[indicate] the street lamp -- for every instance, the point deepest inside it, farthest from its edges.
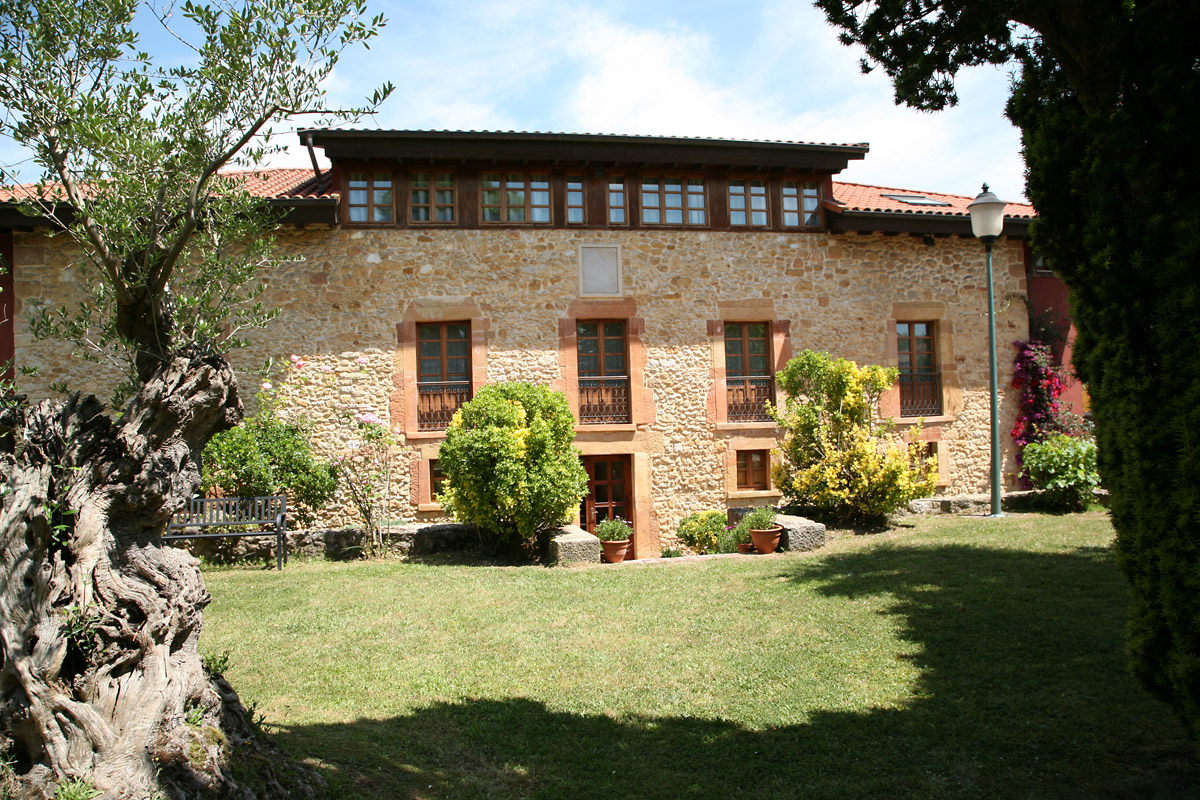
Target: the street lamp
(987, 222)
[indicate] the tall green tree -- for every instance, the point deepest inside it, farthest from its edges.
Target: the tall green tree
(100, 678)
(1107, 97)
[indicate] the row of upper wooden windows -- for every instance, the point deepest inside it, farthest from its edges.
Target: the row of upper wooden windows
(525, 198)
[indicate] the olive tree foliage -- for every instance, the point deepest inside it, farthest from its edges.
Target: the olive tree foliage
(100, 678)
(1107, 97)
(129, 154)
(511, 464)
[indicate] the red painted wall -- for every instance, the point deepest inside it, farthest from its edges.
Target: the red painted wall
(1048, 296)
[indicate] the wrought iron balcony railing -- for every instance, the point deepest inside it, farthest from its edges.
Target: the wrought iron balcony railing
(920, 394)
(604, 401)
(747, 399)
(437, 402)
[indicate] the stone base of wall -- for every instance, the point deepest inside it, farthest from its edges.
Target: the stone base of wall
(973, 503)
(336, 545)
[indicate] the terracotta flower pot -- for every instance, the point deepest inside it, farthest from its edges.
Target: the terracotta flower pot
(745, 548)
(614, 552)
(767, 541)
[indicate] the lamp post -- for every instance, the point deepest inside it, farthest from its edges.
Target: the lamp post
(987, 222)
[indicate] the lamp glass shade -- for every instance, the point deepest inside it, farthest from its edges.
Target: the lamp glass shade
(987, 214)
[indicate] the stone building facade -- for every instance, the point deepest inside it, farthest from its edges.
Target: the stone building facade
(657, 332)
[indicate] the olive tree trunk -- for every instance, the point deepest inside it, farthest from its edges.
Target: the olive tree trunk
(100, 676)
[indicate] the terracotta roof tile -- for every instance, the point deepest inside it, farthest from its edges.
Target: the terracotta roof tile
(859, 197)
(278, 184)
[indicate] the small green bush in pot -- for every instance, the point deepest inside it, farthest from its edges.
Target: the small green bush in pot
(614, 530)
(760, 519)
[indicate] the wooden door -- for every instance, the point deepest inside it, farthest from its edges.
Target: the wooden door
(610, 490)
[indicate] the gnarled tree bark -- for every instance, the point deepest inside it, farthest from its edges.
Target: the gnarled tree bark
(100, 675)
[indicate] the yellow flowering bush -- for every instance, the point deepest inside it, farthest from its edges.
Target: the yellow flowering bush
(839, 457)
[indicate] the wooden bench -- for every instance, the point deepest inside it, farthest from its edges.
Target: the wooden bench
(230, 512)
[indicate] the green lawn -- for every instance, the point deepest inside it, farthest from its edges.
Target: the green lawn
(952, 657)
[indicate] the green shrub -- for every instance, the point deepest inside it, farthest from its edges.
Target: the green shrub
(268, 456)
(614, 529)
(671, 552)
(1063, 469)
(510, 464)
(760, 519)
(839, 458)
(701, 530)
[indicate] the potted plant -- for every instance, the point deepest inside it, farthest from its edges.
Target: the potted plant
(614, 535)
(763, 531)
(741, 537)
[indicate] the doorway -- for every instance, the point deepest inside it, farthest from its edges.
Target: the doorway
(610, 490)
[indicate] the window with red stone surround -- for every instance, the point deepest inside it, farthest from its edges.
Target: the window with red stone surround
(441, 361)
(753, 470)
(741, 384)
(576, 366)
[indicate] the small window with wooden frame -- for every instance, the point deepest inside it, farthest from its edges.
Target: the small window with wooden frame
(749, 382)
(618, 201)
(370, 199)
(576, 210)
(801, 204)
(753, 470)
(515, 198)
(443, 372)
(431, 198)
(748, 202)
(674, 201)
(602, 353)
(920, 378)
(437, 480)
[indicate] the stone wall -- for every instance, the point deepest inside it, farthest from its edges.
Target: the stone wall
(343, 305)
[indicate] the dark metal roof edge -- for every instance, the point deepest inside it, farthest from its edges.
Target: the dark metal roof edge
(909, 222)
(580, 138)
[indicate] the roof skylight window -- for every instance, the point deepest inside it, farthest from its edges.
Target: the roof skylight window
(915, 199)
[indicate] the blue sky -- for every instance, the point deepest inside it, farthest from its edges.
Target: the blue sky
(758, 69)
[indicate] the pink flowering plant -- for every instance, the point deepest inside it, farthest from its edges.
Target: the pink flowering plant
(365, 469)
(1041, 384)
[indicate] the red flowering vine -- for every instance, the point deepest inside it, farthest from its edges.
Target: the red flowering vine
(1041, 384)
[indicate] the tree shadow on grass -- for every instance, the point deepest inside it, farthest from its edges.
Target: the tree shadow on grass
(1022, 692)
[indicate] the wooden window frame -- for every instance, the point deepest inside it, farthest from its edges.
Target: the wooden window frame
(748, 196)
(802, 185)
(372, 176)
(432, 206)
(527, 206)
(603, 377)
(437, 479)
(609, 207)
(445, 378)
(911, 404)
(747, 382)
(569, 194)
(747, 473)
(685, 206)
